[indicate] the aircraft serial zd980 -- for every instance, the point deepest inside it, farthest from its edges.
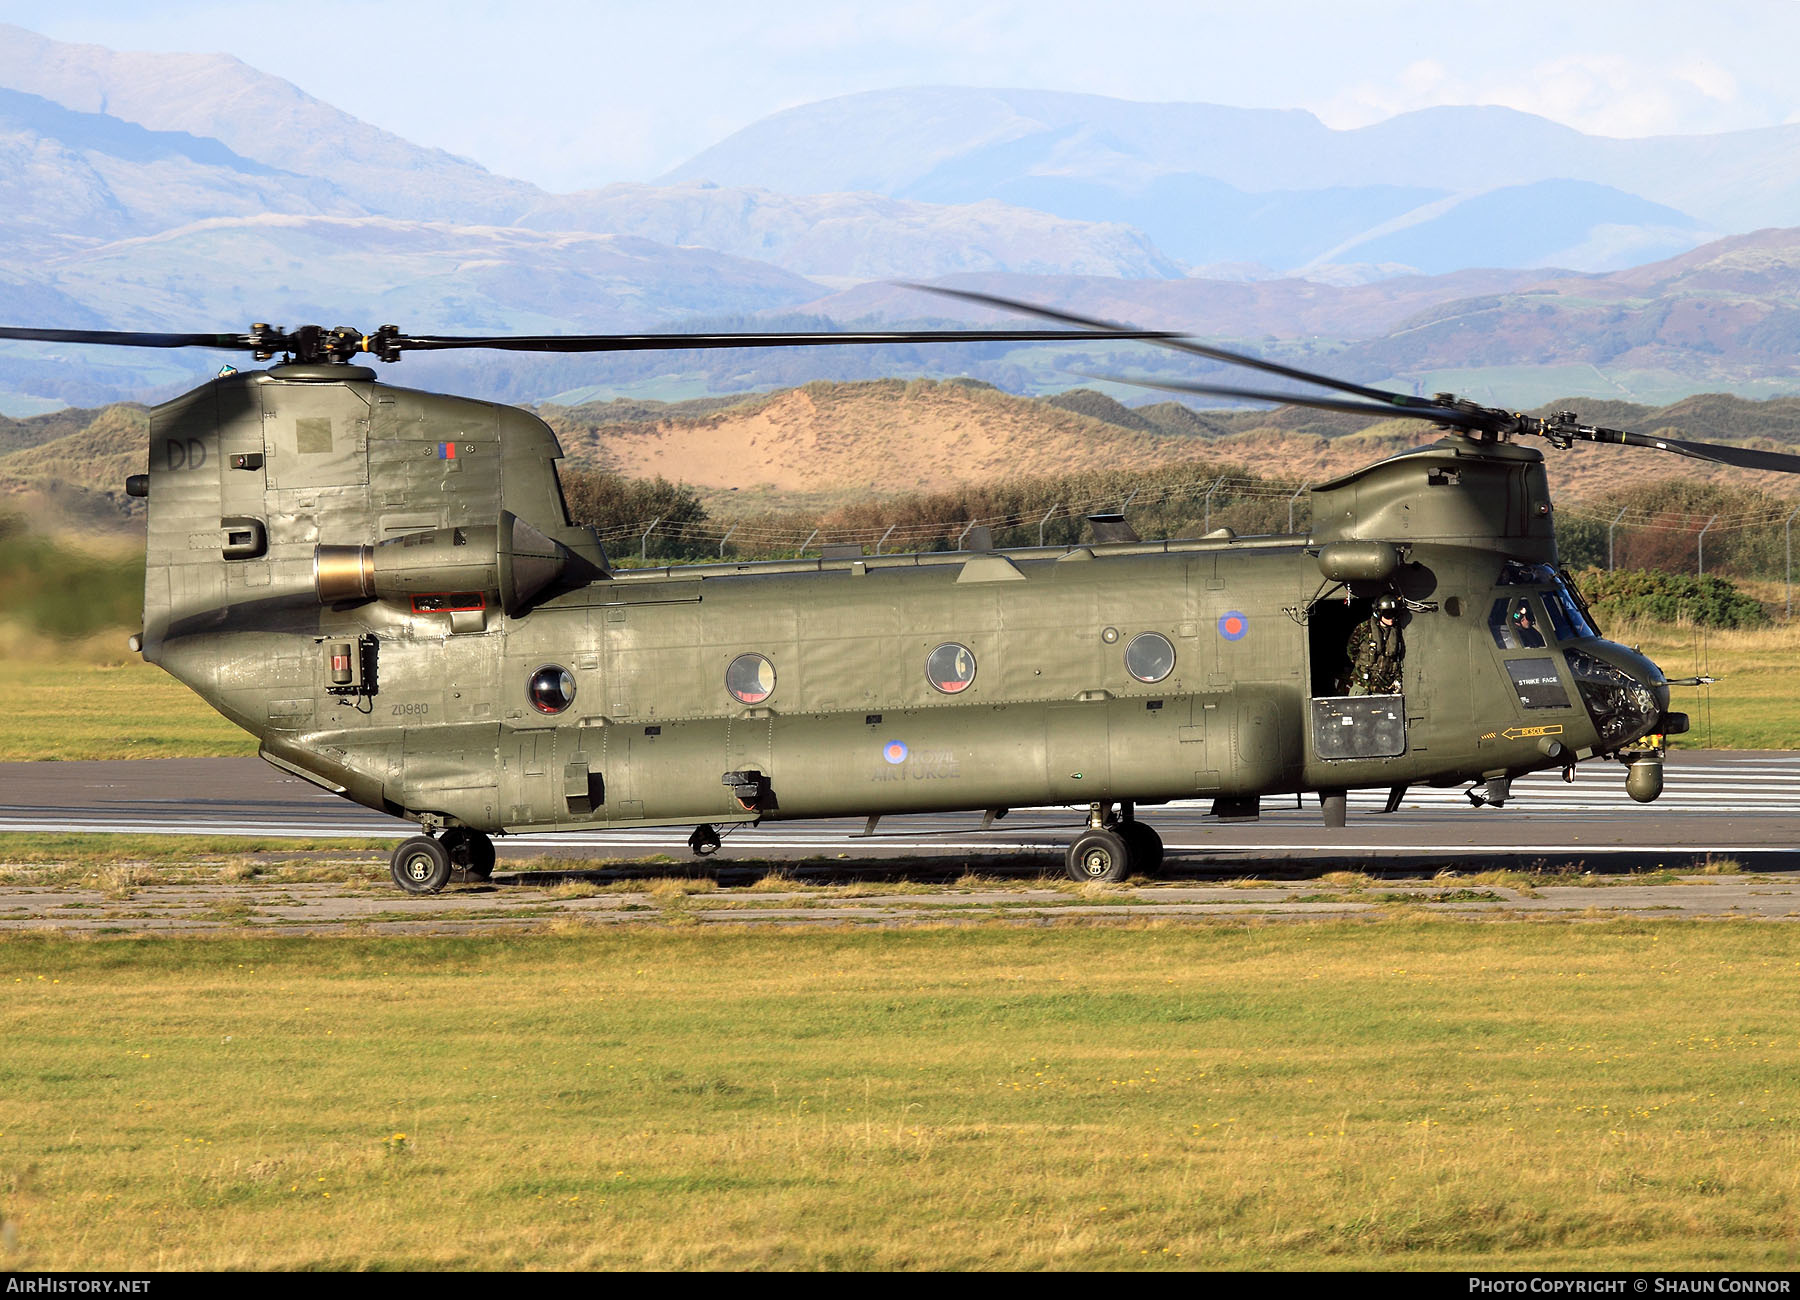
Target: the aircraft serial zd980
(383, 586)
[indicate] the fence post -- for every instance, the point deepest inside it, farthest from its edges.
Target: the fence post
(1046, 519)
(1207, 526)
(1291, 500)
(808, 542)
(728, 532)
(885, 536)
(964, 533)
(644, 542)
(1700, 550)
(1609, 538)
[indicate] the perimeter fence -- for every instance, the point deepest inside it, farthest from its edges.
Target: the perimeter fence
(1247, 505)
(1717, 532)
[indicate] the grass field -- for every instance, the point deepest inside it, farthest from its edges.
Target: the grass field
(1754, 705)
(1397, 1095)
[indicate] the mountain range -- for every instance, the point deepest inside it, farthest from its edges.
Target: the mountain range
(1213, 184)
(1480, 248)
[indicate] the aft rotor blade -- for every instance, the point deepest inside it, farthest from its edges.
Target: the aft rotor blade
(127, 338)
(309, 342)
(1436, 414)
(818, 338)
(1181, 343)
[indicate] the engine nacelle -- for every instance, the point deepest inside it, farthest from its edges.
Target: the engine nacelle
(510, 559)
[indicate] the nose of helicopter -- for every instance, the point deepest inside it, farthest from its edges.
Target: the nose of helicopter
(1625, 694)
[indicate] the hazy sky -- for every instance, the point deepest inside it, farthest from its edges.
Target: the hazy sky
(574, 94)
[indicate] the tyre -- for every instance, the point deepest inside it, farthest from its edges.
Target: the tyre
(1144, 846)
(469, 851)
(421, 866)
(1099, 855)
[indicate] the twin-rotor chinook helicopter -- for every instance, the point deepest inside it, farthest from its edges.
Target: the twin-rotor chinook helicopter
(383, 586)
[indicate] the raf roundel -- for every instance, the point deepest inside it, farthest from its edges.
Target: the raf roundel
(895, 752)
(1233, 625)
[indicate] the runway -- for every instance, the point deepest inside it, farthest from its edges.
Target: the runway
(1737, 803)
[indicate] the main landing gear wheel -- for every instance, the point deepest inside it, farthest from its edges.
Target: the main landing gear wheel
(1099, 855)
(469, 851)
(1143, 845)
(704, 841)
(421, 865)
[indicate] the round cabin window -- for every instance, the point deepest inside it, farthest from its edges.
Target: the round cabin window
(950, 668)
(552, 689)
(750, 679)
(1149, 657)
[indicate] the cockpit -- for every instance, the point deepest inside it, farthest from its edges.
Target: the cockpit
(1517, 619)
(1535, 608)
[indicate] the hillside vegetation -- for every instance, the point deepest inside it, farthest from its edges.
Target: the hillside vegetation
(54, 591)
(883, 437)
(836, 444)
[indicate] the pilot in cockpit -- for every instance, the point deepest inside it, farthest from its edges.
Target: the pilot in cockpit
(1521, 629)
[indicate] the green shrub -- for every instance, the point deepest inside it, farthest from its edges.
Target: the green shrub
(1642, 594)
(601, 499)
(65, 592)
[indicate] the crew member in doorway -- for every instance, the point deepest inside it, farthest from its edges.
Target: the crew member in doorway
(1376, 649)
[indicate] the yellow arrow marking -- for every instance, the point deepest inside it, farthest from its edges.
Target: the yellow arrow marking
(1526, 733)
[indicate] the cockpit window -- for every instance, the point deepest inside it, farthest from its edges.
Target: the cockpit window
(1559, 616)
(1515, 623)
(1566, 615)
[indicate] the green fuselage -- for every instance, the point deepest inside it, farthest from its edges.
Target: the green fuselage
(1044, 707)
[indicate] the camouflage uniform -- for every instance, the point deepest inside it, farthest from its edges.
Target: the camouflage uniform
(1376, 649)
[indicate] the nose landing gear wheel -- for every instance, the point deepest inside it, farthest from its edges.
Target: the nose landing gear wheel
(1099, 855)
(421, 865)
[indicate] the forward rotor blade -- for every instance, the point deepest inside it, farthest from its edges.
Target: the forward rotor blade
(1780, 462)
(1436, 414)
(128, 338)
(1181, 343)
(676, 342)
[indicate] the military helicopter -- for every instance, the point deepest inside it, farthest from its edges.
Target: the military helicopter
(383, 586)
